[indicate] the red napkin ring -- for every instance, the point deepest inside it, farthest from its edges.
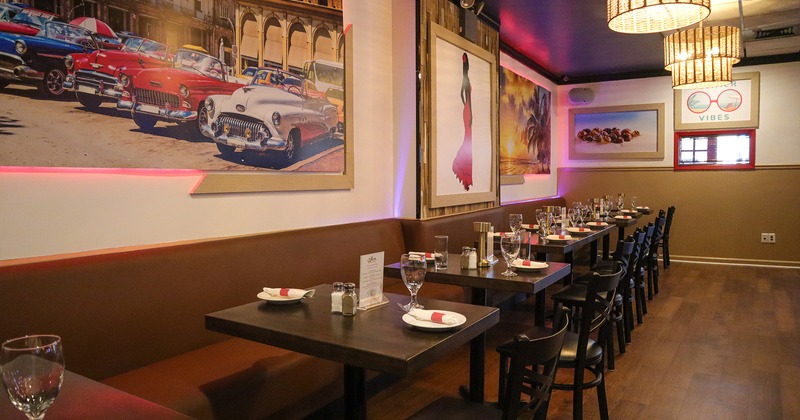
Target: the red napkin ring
(561, 236)
(526, 263)
(284, 291)
(437, 317)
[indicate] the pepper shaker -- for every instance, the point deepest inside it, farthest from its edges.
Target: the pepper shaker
(349, 300)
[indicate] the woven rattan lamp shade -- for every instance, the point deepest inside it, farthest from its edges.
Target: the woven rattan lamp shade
(648, 16)
(702, 57)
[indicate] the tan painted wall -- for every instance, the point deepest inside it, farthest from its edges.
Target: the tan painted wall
(719, 214)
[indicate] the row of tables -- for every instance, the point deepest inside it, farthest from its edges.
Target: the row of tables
(379, 340)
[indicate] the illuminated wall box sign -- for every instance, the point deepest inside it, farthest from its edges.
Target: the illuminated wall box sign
(730, 106)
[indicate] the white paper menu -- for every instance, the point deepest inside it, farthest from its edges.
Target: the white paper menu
(370, 290)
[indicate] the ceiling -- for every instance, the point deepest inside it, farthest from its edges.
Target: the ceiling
(569, 41)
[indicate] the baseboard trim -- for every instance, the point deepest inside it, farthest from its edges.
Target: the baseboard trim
(735, 261)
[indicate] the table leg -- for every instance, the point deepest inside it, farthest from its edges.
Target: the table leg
(621, 236)
(539, 311)
(568, 260)
(355, 395)
(606, 246)
(593, 253)
(477, 354)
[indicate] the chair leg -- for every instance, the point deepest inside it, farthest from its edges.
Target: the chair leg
(649, 279)
(641, 293)
(601, 392)
(655, 276)
(577, 395)
(665, 245)
(501, 383)
(639, 296)
(610, 346)
(627, 302)
(621, 333)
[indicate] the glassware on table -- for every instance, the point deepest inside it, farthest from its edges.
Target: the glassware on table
(412, 269)
(32, 368)
(509, 244)
(633, 202)
(515, 221)
(620, 201)
(607, 210)
(440, 251)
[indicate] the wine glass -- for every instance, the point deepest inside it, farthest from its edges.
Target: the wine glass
(515, 220)
(33, 370)
(509, 244)
(620, 201)
(607, 210)
(633, 202)
(412, 269)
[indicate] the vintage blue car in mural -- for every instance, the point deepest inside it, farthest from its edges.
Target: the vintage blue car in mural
(269, 118)
(39, 59)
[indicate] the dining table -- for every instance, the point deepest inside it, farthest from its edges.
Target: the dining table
(376, 339)
(84, 398)
(543, 248)
(478, 281)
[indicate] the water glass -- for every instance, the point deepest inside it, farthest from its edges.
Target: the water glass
(32, 368)
(633, 202)
(412, 270)
(509, 244)
(515, 221)
(440, 251)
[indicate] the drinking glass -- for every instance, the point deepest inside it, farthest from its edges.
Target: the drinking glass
(633, 202)
(412, 269)
(33, 370)
(515, 220)
(574, 217)
(440, 251)
(620, 201)
(607, 210)
(509, 244)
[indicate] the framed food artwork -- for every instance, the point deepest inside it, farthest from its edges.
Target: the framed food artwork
(617, 132)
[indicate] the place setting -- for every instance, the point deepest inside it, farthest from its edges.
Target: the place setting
(412, 270)
(284, 295)
(528, 265)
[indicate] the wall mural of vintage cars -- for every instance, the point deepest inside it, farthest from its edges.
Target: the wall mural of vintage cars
(73, 98)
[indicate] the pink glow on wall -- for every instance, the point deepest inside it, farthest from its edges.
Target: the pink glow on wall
(111, 171)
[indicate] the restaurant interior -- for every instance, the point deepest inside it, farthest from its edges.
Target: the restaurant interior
(149, 283)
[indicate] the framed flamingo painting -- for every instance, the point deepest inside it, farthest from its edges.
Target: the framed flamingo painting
(463, 160)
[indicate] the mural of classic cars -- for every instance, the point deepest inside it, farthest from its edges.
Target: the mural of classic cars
(28, 22)
(263, 118)
(94, 76)
(8, 11)
(175, 94)
(39, 60)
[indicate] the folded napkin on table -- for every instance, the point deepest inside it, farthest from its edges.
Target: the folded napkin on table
(528, 263)
(427, 255)
(526, 226)
(290, 293)
(582, 230)
(433, 316)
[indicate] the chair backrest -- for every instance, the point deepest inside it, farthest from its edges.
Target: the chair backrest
(668, 223)
(622, 254)
(644, 249)
(657, 232)
(633, 261)
(596, 309)
(526, 376)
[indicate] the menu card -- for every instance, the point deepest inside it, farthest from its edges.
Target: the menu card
(370, 290)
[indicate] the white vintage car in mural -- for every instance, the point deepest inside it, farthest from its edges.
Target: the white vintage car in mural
(264, 118)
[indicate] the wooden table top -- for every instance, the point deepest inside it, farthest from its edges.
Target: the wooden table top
(83, 398)
(563, 247)
(376, 339)
(489, 277)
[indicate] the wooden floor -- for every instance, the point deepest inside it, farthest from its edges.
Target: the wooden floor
(719, 342)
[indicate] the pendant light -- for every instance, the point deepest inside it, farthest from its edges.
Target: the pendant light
(649, 16)
(702, 57)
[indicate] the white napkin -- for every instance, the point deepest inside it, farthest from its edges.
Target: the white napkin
(433, 316)
(289, 293)
(426, 255)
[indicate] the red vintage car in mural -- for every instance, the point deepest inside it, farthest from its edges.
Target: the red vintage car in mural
(176, 94)
(28, 22)
(95, 76)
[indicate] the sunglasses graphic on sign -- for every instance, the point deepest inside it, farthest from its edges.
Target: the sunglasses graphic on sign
(728, 100)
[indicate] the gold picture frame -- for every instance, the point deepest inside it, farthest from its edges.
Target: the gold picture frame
(232, 182)
(644, 124)
(736, 105)
(455, 123)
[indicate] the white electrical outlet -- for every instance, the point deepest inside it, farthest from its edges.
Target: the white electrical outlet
(767, 238)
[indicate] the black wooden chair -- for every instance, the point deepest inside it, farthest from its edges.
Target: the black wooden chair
(580, 352)
(628, 281)
(527, 367)
(665, 235)
(641, 267)
(652, 256)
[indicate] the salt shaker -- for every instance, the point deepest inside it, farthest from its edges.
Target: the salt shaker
(336, 297)
(349, 300)
(473, 259)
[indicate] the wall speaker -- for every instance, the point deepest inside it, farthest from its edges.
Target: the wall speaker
(581, 95)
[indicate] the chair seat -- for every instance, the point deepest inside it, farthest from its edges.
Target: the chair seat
(569, 351)
(456, 408)
(575, 292)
